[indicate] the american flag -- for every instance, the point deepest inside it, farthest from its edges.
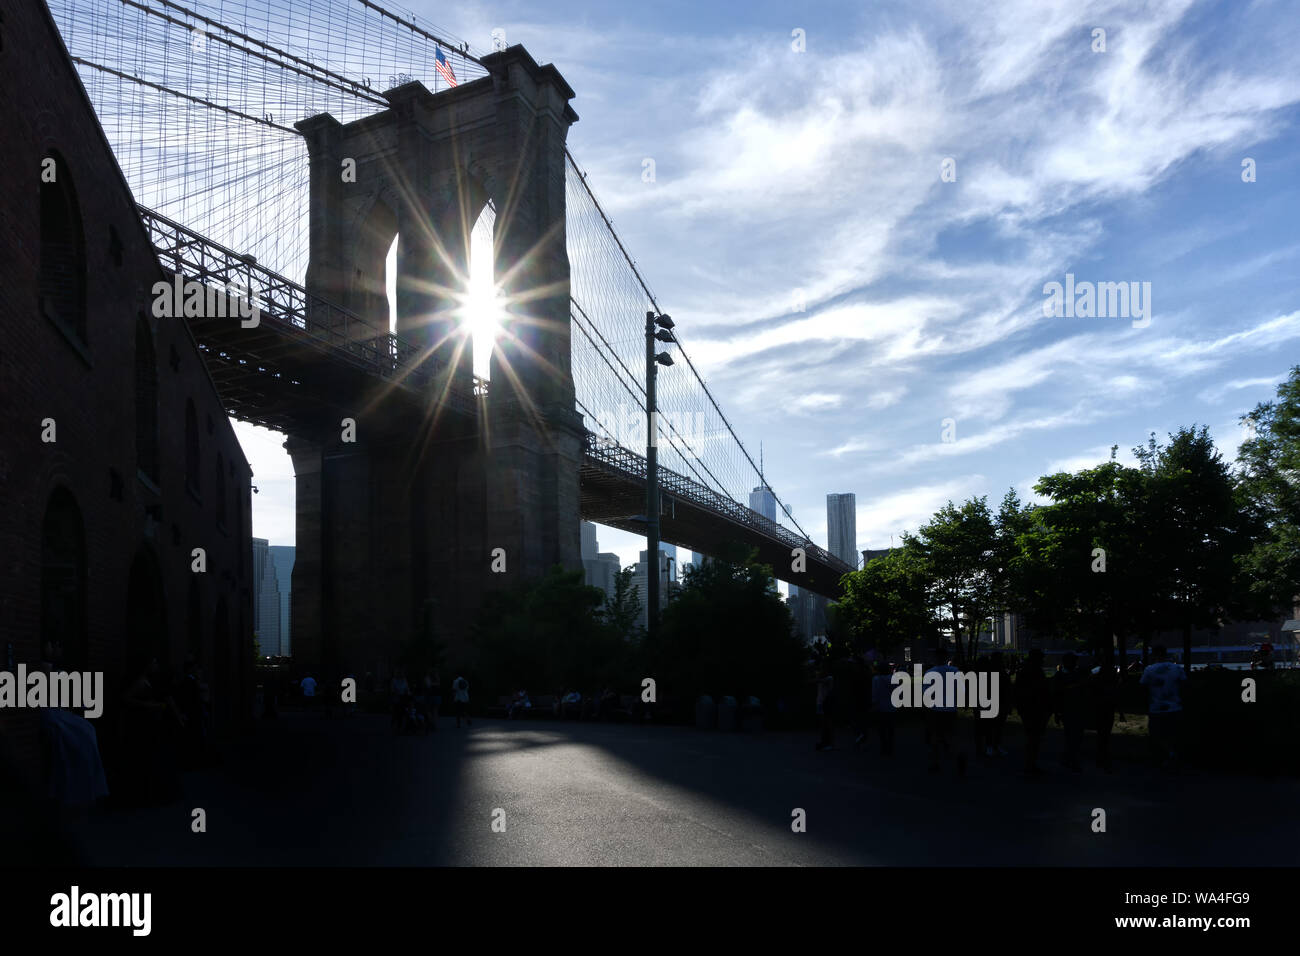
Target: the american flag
(443, 67)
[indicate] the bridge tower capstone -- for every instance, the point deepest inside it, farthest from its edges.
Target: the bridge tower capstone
(399, 527)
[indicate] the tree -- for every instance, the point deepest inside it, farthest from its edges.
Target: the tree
(1268, 483)
(958, 546)
(1196, 530)
(549, 634)
(622, 609)
(885, 604)
(1081, 565)
(726, 632)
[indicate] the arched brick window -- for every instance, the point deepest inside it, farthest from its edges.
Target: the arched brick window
(61, 281)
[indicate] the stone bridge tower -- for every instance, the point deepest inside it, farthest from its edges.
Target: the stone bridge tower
(399, 527)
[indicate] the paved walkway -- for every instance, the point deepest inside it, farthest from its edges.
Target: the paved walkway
(305, 790)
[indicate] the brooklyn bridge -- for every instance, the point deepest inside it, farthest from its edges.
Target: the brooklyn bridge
(299, 156)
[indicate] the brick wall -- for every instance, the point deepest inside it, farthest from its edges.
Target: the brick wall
(89, 389)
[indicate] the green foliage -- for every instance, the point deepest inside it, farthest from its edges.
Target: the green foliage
(961, 551)
(622, 609)
(1269, 489)
(550, 635)
(885, 604)
(726, 632)
(1082, 565)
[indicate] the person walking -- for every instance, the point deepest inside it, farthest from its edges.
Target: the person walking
(942, 717)
(1162, 679)
(1034, 703)
(1104, 687)
(999, 677)
(460, 694)
(882, 707)
(825, 705)
(1070, 701)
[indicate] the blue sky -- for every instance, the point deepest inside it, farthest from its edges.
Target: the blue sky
(816, 174)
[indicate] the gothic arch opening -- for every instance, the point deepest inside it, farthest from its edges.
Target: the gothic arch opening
(482, 311)
(62, 270)
(372, 262)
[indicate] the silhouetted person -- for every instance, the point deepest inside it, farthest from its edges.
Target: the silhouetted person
(151, 722)
(194, 700)
(608, 704)
(1104, 686)
(432, 698)
(997, 671)
(518, 703)
(571, 705)
(941, 718)
(460, 693)
(1070, 701)
(308, 688)
(882, 707)
(825, 705)
(1034, 703)
(1162, 679)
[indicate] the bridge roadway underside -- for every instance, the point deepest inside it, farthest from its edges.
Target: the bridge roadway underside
(617, 499)
(279, 376)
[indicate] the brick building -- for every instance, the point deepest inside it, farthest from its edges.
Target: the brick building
(99, 524)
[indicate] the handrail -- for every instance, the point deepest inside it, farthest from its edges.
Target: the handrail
(285, 302)
(631, 464)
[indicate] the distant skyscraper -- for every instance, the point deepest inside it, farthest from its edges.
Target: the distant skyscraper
(667, 580)
(266, 599)
(809, 613)
(260, 554)
(601, 567)
(763, 501)
(590, 547)
(870, 554)
(282, 556)
(842, 527)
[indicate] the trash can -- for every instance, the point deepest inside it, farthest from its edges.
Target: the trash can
(751, 715)
(706, 712)
(727, 714)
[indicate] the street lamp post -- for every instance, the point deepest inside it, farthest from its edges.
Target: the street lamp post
(652, 363)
